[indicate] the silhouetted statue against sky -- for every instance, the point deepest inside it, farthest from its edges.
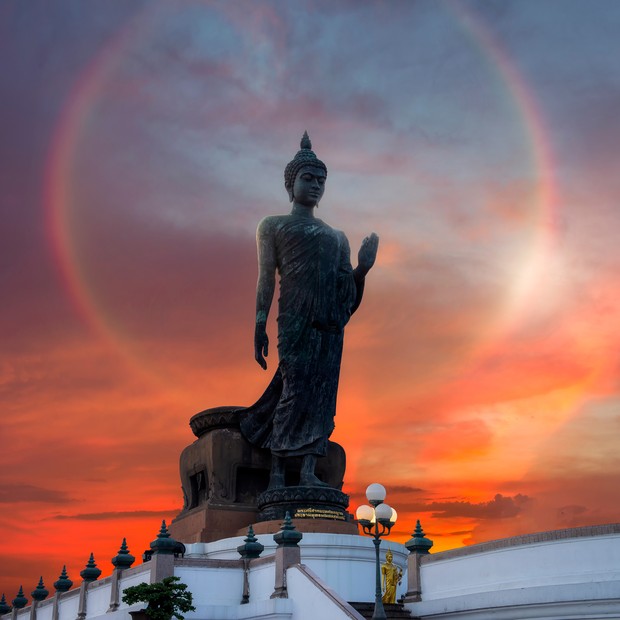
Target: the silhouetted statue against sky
(319, 291)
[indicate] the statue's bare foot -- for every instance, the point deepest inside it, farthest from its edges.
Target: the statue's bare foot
(310, 480)
(276, 481)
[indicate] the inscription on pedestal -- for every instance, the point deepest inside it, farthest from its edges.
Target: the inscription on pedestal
(303, 503)
(317, 513)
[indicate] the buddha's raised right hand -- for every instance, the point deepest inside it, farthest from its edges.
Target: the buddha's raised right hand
(368, 253)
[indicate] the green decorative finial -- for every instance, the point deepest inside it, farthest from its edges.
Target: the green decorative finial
(123, 559)
(4, 606)
(418, 532)
(288, 536)
(164, 543)
(64, 583)
(288, 522)
(20, 601)
(252, 548)
(305, 141)
(418, 543)
(90, 572)
(40, 592)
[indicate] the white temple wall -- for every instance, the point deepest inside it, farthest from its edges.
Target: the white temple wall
(68, 604)
(553, 575)
(134, 577)
(347, 563)
(212, 585)
(262, 581)
(274, 609)
(98, 597)
(549, 576)
(314, 600)
(226, 548)
(558, 562)
(45, 609)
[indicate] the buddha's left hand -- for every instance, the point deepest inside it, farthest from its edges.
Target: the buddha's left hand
(368, 252)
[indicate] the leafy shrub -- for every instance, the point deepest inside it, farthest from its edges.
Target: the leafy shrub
(165, 598)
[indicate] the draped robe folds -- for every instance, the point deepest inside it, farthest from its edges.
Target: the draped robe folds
(295, 415)
(391, 577)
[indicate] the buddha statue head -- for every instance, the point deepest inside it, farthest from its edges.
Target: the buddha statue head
(304, 159)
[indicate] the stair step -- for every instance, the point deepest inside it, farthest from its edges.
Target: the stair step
(392, 610)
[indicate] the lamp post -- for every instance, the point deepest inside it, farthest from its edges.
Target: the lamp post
(376, 521)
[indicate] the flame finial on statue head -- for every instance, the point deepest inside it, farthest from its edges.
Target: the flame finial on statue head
(305, 141)
(304, 157)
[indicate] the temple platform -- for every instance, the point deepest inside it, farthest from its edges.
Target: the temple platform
(564, 574)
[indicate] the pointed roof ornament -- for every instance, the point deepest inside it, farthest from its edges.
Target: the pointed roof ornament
(164, 543)
(64, 583)
(305, 141)
(252, 548)
(20, 601)
(418, 543)
(288, 522)
(123, 559)
(4, 606)
(90, 572)
(40, 592)
(288, 536)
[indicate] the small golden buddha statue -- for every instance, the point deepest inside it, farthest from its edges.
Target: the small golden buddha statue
(391, 576)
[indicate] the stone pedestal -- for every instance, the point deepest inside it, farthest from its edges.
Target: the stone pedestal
(303, 503)
(223, 475)
(212, 522)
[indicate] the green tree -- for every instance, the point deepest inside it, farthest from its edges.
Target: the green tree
(165, 598)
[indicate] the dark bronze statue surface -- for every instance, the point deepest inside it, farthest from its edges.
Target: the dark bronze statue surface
(319, 291)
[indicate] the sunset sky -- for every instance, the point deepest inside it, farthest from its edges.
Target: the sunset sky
(140, 144)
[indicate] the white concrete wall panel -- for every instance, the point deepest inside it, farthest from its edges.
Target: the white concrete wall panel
(212, 586)
(226, 548)
(68, 605)
(557, 562)
(23, 614)
(45, 609)
(347, 563)
(312, 602)
(262, 581)
(134, 579)
(98, 598)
